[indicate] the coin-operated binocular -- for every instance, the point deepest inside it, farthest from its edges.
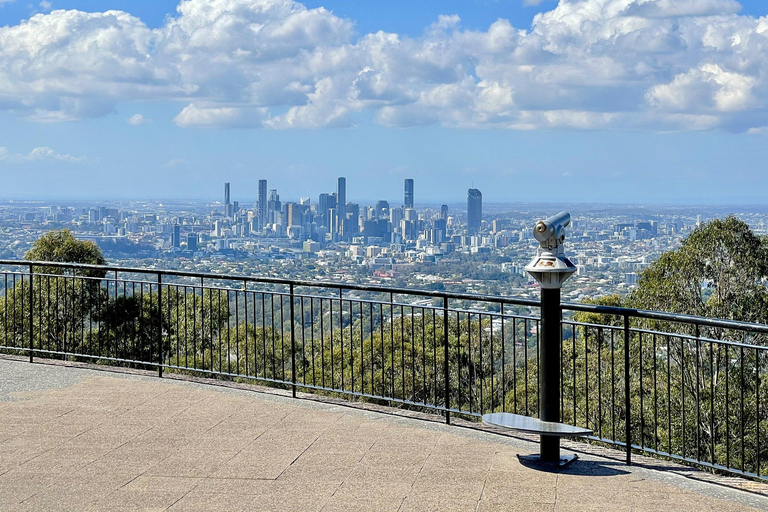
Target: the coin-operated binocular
(551, 267)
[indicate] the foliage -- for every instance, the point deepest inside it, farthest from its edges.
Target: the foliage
(719, 271)
(62, 246)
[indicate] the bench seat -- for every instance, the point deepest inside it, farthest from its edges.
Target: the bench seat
(534, 425)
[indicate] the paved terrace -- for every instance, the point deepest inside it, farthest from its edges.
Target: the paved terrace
(84, 439)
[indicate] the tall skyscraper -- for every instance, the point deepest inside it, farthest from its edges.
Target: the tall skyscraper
(192, 242)
(324, 204)
(262, 203)
(341, 199)
(273, 206)
(226, 194)
(176, 236)
(474, 210)
(408, 198)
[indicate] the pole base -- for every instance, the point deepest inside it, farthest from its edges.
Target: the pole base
(535, 461)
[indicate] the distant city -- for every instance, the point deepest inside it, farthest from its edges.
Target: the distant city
(480, 248)
(333, 219)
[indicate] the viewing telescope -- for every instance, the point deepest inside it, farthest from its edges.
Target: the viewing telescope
(551, 267)
(550, 232)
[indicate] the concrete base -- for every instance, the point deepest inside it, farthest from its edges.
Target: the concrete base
(535, 462)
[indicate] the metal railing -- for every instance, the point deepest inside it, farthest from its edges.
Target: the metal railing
(684, 387)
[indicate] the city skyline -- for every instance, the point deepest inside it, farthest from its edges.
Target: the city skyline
(647, 102)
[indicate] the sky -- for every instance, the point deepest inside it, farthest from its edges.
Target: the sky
(579, 101)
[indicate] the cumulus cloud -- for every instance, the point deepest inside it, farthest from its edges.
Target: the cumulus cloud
(583, 64)
(38, 154)
(136, 120)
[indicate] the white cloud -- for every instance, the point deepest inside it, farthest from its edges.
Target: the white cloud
(584, 64)
(203, 114)
(45, 5)
(40, 154)
(136, 120)
(175, 163)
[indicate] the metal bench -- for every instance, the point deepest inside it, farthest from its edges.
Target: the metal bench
(548, 429)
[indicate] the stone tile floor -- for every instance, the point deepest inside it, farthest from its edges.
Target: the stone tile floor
(87, 440)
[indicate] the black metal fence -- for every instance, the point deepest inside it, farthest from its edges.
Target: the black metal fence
(688, 388)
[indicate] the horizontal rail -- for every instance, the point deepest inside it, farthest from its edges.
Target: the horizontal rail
(568, 306)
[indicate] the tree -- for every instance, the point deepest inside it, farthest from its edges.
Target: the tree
(62, 298)
(695, 391)
(62, 246)
(719, 271)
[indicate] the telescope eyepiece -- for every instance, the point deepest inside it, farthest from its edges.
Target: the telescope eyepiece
(551, 231)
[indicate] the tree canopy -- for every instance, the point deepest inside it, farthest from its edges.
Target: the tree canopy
(719, 271)
(62, 246)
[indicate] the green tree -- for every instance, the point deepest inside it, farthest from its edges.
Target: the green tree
(62, 246)
(692, 394)
(62, 298)
(719, 271)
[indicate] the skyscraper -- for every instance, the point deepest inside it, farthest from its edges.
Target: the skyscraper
(228, 210)
(341, 199)
(176, 236)
(192, 242)
(262, 203)
(324, 204)
(273, 206)
(408, 198)
(474, 210)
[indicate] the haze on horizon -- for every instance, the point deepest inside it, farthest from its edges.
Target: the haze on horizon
(580, 101)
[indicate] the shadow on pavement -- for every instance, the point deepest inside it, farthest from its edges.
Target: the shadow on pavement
(579, 467)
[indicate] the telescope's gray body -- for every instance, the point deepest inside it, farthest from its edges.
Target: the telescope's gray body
(551, 267)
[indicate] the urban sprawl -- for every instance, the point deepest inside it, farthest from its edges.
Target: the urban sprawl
(467, 247)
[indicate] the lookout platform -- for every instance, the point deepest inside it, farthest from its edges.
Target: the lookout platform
(85, 439)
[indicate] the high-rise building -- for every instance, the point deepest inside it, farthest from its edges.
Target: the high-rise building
(444, 211)
(262, 203)
(273, 207)
(176, 236)
(192, 242)
(408, 197)
(324, 205)
(382, 208)
(226, 194)
(474, 210)
(294, 214)
(341, 199)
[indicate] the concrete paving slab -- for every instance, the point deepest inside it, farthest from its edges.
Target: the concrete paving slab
(92, 440)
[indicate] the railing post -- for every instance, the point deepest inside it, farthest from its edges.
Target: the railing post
(159, 325)
(446, 370)
(31, 316)
(627, 402)
(293, 346)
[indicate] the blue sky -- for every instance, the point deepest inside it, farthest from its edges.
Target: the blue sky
(629, 101)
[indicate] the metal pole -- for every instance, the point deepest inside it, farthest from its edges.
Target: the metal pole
(549, 372)
(293, 346)
(445, 363)
(31, 316)
(160, 325)
(627, 401)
